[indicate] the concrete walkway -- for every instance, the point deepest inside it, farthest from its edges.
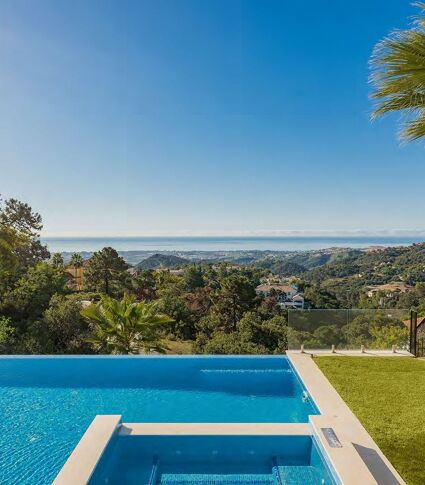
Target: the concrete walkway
(355, 353)
(344, 422)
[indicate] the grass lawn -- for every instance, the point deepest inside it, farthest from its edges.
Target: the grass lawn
(388, 396)
(179, 347)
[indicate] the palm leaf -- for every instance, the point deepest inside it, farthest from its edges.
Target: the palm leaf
(126, 326)
(398, 77)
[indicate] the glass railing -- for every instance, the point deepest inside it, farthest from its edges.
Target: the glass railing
(380, 329)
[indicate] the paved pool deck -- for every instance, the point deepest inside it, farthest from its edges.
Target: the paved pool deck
(343, 421)
(355, 353)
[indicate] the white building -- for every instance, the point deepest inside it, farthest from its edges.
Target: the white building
(288, 296)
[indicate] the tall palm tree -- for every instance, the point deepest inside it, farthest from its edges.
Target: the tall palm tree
(76, 263)
(76, 260)
(398, 76)
(126, 326)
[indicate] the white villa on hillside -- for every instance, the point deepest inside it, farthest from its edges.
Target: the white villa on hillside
(288, 296)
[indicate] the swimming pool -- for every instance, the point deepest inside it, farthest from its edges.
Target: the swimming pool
(190, 460)
(46, 403)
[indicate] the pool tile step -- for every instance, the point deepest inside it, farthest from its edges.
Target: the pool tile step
(300, 475)
(193, 479)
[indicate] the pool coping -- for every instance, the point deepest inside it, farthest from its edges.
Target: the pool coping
(82, 462)
(191, 429)
(333, 408)
(343, 458)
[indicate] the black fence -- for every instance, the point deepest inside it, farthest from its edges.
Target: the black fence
(417, 335)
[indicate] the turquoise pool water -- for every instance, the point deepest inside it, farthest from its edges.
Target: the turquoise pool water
(190, 460)
(47, 403)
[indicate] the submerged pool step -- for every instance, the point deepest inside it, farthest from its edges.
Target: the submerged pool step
(193, 479)
(299, 475)
(245, 371)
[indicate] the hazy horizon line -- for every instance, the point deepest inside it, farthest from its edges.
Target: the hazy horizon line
(247, 234)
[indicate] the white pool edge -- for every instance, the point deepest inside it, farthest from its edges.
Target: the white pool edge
(336, 414)
(82, 462)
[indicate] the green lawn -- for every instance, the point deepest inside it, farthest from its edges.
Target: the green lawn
(179, 347)
(388, 396)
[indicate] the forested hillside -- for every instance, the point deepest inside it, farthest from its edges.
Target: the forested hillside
(161, 261)
(348, 279)
(300, 262)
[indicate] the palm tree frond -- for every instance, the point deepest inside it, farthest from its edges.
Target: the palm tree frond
(398, 76)
(126, 326)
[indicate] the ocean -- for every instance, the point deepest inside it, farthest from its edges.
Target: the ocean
(227, 243)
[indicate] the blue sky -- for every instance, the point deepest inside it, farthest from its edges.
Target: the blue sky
(202, 117)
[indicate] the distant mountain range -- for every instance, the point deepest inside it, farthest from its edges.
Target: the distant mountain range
(282, 262)
(161, 261)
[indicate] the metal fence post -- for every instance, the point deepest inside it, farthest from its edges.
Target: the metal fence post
(413, 331)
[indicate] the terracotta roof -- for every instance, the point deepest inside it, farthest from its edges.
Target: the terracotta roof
(419, 322)
(284, 288)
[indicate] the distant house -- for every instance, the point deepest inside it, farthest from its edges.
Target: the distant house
(373, 249)
(274, 279)
(173, 271)
(288, 296)
(296, 303)
(389, 289)
(177, 272)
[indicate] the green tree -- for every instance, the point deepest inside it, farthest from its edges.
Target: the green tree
(193, 277)
(6, 333)
(76, 261)
(10, 242)
(227, 344)
(57, 261)
(387, 336)
(106, 272)
(207, 326)
(199, 302)
(143, 285)
(320, 298)
(19, 217)
(125, 326)
(324, 337)
(398, 76)
(270, 305)
(32, 292)
(65, 328)
(235, 296)
(366, 327)
(173, 304)
(271, 333)
(413, 298)
(252, 336)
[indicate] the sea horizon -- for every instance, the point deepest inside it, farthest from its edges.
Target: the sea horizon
(224, 243)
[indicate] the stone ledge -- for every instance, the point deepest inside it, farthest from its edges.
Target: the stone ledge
(136, 429)
(332, 406)
(82, 462)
